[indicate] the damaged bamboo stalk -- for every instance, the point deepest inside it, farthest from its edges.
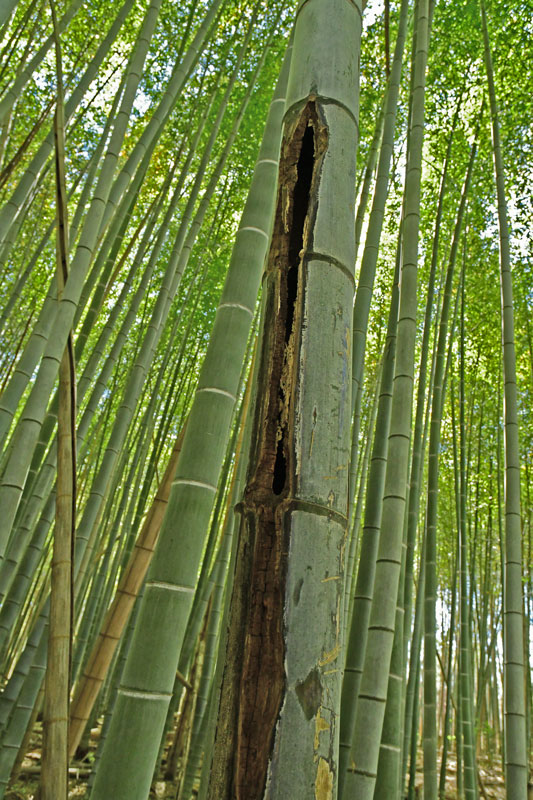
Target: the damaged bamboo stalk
(277, 733)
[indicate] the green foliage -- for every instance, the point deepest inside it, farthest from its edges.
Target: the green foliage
(455, 81)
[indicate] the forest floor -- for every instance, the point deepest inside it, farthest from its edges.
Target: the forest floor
(491, 779)
(491, 785)
(24, 788)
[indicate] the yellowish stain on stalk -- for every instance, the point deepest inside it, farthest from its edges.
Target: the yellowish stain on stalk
(334, 477)
(321, 725)
(330, 656)
(324, 781)
(343, 550)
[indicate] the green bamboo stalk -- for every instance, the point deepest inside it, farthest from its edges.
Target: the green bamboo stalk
(27, 689)
(370, 169)
(453, 604)
(13, 393)
(354, 543)
(207, 578)
(465, 653)
(113, 687)
(13, 92)
(161, 114)
(150, 670)
(413, 628)
(178, 260)
(516, 766)
(411, 712)
(31, 419)
(389, 778)
(486, 600)
(231, 522)
(27, 432)
(54, 774)
(419, 439)
(457, 494)
(365, 286)
(374, 681)
(400, 706)
(437, 405)
(18, 199)
(369, 544)
(195, 751)
(223, 583)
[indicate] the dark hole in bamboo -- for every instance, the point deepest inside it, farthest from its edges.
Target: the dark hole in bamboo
(300, 207)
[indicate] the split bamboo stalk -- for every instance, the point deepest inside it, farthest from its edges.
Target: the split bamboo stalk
(278, 719)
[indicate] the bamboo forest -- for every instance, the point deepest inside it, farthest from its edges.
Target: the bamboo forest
(266, 399)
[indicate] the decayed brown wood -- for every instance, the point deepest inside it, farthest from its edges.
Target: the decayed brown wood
(120, 609)
(254, 678)
(263, 674)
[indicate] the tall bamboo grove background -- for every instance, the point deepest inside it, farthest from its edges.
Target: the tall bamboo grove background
(266, 422)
